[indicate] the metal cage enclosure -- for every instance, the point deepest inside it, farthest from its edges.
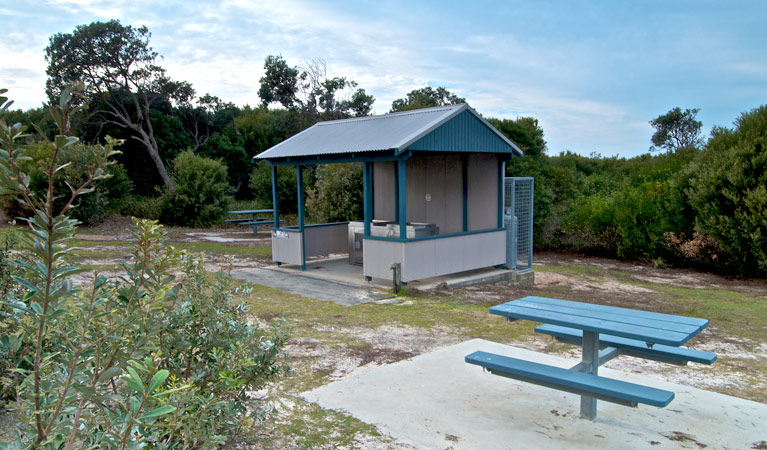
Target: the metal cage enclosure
(518, 212)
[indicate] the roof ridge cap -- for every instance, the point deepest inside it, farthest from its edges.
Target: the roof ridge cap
(387, 115)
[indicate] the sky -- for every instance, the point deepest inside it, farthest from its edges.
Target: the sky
(594, 73)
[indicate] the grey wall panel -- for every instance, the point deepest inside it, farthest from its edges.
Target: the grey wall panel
(326, 239)
(378, 256)
(446, 261)
(435, 189)
(286, 246)
(416, 188)
(453, 195)
(436, 257)
(384, 190)
(441, 178)
(482, 192)
(420, 259)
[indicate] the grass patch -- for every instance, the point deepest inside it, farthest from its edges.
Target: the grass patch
(80, 253)
(587, 272)
(101, 267)
(307, 426)
(426, 312)
(739, 314)
(76, 242)
(121, 249)
(222, 249)
(6, 232)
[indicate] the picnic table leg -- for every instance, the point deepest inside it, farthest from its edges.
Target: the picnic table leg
(590, 360)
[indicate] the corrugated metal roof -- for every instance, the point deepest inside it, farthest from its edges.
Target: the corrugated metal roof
(394, 131)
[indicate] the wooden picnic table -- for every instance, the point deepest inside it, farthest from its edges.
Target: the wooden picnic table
(623, 331)
(254, 221)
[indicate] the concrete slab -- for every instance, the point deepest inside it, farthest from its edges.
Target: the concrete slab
(436, 400)
(338, 269)
(296, 283)
(227, 237)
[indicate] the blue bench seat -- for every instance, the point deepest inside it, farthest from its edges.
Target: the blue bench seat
(259, 222)
(631, 347)
(616, 391)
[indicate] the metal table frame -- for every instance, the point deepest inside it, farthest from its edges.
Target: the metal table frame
(652, 328)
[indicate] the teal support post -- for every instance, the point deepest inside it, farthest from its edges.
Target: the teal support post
(402, 198)
(275, 198)
(396, 192)
(300, 195)
(465, 184)
(501, 173)
(367, 196)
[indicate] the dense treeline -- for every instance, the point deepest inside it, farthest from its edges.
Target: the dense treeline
(705, 207)
(185, 158)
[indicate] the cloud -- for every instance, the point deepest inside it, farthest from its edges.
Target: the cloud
(592, 74)
(22, 71)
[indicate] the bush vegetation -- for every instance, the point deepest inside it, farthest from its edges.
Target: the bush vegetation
(108, 195)
(702, 207)
(201, 194)
(261, 184)
(337, 193)
(699, 204)
(141, 361)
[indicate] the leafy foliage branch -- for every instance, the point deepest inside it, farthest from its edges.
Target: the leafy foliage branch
(121, 363)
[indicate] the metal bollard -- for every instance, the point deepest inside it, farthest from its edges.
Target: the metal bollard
(396, 276)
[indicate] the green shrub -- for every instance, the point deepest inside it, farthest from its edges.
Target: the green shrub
(261, 184)
(544, 205)
(590, 225)
(642, 220)
(632, 223)
(118, 187)
(10, 291)
(209, 343)
(202, 193)
(337, 194)
(728, 192)
(141, 361)
(141, 207)
(90, 209)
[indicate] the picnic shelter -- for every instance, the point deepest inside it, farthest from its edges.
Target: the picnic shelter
(433, 186)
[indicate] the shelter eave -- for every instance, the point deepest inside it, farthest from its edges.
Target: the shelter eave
(331, 158)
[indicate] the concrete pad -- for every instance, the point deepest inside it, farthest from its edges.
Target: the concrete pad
(436, 400)
(95, 237)
(226, 237)
(296, 283)
(337, 268)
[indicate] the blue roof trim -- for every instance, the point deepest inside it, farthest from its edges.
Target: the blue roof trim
(455, 125)
(465, 132)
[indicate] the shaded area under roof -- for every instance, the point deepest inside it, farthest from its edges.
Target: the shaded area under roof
(394, 131)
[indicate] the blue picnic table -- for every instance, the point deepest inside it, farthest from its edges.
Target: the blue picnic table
(255, 220)
(603, 332)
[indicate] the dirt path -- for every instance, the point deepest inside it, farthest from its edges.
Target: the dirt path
(330, 344)
(574, 277)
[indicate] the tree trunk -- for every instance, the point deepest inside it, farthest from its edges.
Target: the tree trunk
(151, 147)
(169, 183)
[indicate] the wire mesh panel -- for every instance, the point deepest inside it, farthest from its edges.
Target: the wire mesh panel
(518, 208)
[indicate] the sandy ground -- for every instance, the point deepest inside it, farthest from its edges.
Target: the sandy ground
(389, 343)
(392, 343)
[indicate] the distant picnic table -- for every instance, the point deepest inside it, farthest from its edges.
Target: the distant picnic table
(266, 218)
(603, 332)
